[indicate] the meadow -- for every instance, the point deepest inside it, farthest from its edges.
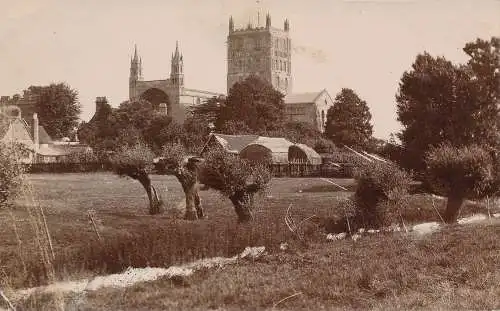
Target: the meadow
(455, 268)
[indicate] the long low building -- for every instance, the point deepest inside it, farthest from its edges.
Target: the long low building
(277, 150)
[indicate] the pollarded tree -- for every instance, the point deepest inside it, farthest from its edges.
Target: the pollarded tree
(459, 173)
(254, 102)
(136, 162)
(57, 107)
(348, 120)
(236, 178)
(186, 169)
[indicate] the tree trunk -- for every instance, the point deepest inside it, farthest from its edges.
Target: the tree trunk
(453, 208)
(190, 209)
(189, 181)
(242, 202)
(155, 203)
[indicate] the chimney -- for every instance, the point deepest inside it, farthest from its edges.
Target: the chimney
(36, 139)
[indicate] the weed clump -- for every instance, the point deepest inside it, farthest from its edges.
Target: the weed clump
(381, 195)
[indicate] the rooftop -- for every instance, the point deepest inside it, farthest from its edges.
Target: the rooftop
(301, 98)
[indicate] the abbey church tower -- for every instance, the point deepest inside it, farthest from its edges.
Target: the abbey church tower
(261, 51)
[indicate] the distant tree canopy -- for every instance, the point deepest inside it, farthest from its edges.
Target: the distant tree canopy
(254, 104)
(58, 108)
(208, 112)
(348, 120)
(440, 102)
(136, 122)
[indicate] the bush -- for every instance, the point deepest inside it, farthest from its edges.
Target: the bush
(11, 172)
(459, 173)
(381, 194)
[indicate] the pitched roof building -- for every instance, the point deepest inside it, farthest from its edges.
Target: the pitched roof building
(310, 107)
(41, 147)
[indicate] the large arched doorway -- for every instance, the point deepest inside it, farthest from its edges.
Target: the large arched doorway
(158, 99)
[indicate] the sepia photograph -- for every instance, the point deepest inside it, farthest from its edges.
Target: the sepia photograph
(249, 155)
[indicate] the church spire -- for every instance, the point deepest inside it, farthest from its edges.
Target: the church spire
(135, 66)
(135, 53)
(177, 70)
(176, 54)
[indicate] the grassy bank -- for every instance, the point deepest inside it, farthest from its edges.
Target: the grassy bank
(455, 269)
(130, 237)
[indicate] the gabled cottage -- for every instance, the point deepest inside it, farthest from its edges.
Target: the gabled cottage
(41, 147)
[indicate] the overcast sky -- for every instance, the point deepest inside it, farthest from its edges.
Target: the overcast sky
(363, 45)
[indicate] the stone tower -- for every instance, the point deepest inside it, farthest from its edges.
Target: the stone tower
(135, 73)
(262, 51)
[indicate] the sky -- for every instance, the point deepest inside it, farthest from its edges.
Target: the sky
(365, 45)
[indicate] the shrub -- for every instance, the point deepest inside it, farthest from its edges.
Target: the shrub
(380, 195)
(459, 173)
(11, 172)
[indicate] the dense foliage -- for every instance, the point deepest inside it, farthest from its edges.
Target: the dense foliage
(136, 122)
(348, 120)
(381, 194)
(252, 102)
(58, 108)
(440, 102)
(11, 172)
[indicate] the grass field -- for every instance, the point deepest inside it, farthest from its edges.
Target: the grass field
(389, 271)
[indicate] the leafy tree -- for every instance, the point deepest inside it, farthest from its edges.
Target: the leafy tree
(236, 127)
(57, 107)
(209, 111)
(195, 134)
(459, 173)
(439, 102)
(348, 120)
(484, 63)
(323, 145)
(136, 162)
(236, 178)
(131, 123)
(136, 113)
(161, 131)
(255, 103)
